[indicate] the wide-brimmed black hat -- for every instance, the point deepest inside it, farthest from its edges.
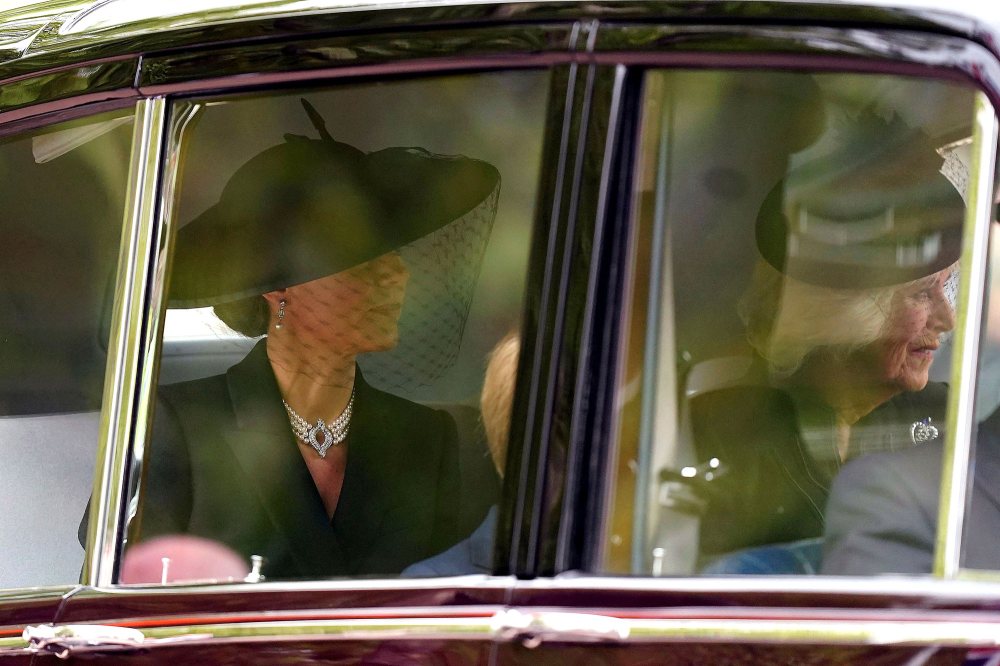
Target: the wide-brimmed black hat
(874, 210)
(308, 208)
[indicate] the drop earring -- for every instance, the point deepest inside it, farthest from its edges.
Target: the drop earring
(281, 315)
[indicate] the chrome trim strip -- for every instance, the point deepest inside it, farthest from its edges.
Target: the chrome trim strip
(918, 588)
(14, 647)
(477, 581)
(805, 631)
(534, 627)
(182, 115)
(430, 628)
(961, 402)
(979, 575)
(125, 345)
(19, 595)
(877, 632)
(237, 82)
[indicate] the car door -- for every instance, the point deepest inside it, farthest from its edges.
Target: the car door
(66, 172)
(207, 587)
(705, 498)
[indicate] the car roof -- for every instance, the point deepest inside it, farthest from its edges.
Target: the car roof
(39, 35)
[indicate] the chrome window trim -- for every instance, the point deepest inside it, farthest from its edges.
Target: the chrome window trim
(961, 402)
(477, 581)
(920, 591)
(238, 83)
(125, 348)
(180, 115)
(978, 575)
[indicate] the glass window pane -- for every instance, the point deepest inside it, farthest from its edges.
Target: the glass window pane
(347, 259)
(980, 547)
(62, 190)
(793, 293)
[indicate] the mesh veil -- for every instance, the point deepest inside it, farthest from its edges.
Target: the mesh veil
(444, 268)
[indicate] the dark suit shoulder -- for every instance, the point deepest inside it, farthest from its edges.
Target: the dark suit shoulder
(887, 467)
(402, 414)
(397, 404)
(207, 392)
(882, 513)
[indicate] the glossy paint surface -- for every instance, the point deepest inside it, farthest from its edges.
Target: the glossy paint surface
(335, 56)
(30, 606)
(241, 601)
(671, 654)
(44, 35)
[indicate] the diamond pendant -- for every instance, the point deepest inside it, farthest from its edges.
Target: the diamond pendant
(328, 438)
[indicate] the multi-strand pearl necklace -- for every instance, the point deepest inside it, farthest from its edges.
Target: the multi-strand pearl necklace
(321, 436)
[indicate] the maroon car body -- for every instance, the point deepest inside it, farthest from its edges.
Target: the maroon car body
(555, 593)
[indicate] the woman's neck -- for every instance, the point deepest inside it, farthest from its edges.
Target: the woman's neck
(843, 387)
(315, 387)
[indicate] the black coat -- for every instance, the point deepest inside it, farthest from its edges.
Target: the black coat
(771, 487)
(223, 464)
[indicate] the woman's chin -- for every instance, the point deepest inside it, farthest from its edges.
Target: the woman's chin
(912, 382)
(386, 343)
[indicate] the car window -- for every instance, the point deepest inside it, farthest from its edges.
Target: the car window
(792, 300)
(347, 261)
(978, 549)
(62, 190)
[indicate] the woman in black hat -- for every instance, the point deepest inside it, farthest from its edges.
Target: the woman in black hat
(846, 310)
(291, 454)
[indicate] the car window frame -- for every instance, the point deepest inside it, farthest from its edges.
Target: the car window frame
(13, 124)
(121, 465)
(797, 48)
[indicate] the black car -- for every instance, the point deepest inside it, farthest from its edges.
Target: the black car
(444, 332)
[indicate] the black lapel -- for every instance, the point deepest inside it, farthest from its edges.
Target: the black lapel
(265, 449)
(372, 467)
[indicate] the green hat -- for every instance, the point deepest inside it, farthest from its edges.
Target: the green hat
(875, 210)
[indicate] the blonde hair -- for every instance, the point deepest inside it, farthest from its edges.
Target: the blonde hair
(787, 320)
(498, 396)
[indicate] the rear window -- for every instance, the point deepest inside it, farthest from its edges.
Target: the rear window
(787, 369)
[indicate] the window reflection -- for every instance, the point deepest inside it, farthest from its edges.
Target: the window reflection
(62, 190)
(365, 262)
(805, 288)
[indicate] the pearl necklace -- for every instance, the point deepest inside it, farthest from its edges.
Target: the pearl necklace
(321, 436)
